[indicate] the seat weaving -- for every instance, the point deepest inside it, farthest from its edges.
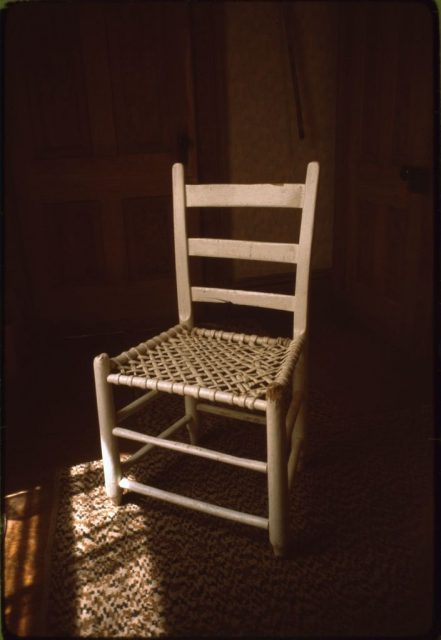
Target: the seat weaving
(234, 368)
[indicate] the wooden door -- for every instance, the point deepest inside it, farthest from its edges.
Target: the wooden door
(98, 107)
(384, 205)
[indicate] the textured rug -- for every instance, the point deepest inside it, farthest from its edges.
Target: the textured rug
(360, 560)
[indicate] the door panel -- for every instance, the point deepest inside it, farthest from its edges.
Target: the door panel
(55, 84)
(148, 78)
(146, 218)
(74, 230)
(101, 94)
(385, 122)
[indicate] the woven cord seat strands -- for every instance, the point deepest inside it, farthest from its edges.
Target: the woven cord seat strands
(241, 366)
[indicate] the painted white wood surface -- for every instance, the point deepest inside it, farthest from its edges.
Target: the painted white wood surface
(197, 505)
(242, 249)
(164, 434)
(278, 301)
(192, 390)
(181, 255)
(231, 413)
(193, 424)
(133, 407)
(277, 476)
(293, 410)
(294, 459)
(305, 245)
(245, 195)
(107, 421)
(183, 447)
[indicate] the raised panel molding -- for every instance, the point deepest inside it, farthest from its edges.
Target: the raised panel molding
(74, 230)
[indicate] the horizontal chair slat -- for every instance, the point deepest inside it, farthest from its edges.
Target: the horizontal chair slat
(191, 503)
(277, 301)
(244, 250)
(245, 195)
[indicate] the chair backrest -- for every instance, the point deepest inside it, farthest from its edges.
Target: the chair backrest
(296, 196)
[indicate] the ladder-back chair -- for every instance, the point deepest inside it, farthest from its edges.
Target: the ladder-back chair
(217, 370)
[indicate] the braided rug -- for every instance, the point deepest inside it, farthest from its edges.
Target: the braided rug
(360, 522)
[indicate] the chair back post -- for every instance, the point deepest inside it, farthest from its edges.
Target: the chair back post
(304, 249)
(185, 307)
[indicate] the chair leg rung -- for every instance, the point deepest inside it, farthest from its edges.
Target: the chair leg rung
(135, 406)
(231, 413)
(197, 505)
(146, 448)
(182, 447)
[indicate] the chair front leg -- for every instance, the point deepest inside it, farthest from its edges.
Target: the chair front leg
(277, 474)
(107, 422)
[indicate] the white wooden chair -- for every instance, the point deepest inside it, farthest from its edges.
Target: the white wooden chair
(261, 375)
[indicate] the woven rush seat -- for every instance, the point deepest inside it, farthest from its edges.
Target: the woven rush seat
(214, 365)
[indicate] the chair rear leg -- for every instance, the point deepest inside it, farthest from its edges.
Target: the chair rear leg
(107, 422)
(298, 437)
(277, 475)
(193, 426)
(295, 459)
